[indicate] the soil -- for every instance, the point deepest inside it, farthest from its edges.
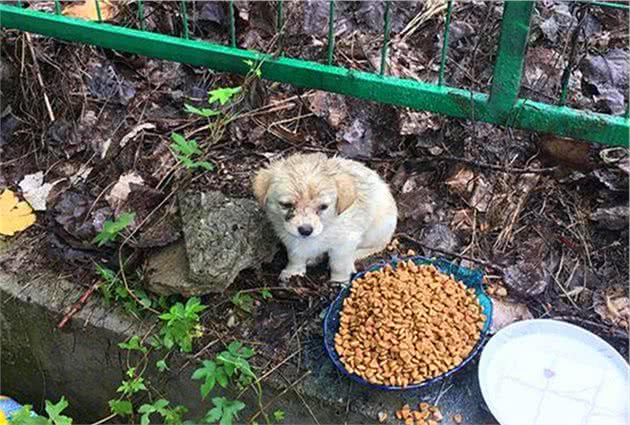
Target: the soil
(506, 199)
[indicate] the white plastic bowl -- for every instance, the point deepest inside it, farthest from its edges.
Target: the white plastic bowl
(547, 372)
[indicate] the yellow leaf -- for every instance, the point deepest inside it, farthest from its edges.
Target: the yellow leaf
(87, 10)
(14, 216)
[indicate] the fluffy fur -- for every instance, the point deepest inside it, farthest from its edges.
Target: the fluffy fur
(320, 205)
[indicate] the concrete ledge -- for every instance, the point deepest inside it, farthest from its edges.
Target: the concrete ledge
(83, 363)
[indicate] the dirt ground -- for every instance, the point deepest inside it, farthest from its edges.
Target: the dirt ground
(546, 218)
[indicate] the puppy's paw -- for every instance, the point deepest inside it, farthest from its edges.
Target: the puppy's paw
(287, 274)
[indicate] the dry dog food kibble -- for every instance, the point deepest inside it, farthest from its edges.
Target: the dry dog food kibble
(400, 327)
(426, 415)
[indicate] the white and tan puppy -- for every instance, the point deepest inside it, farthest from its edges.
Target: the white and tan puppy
(320, 205)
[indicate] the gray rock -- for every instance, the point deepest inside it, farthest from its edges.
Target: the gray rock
(527, 278)
(612, 218)
(223, 236)
(439, 236)
(167, 272)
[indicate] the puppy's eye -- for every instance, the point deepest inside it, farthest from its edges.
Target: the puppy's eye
(286, 205)
(323, 207)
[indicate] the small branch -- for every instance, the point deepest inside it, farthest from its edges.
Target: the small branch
(479, 164)
(105, 419)
(39, 77)
(77, 306)
(451, 253)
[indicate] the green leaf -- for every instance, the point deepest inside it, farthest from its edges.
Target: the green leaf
(161, 365)
(208, 373)
(146, 408)
(204, 164)
(278, 415)
(213, 415)
(230, 411)
(106, 274)
(25, 416)
(188, 163)
(54, 412)
(112, 228)
(243, 301)
(159, 406)
(223, 95)
(266, 294)
(132, 386)
(121, 407)
(186, 147)
(134, 344)
(203, 112)
(222, 377)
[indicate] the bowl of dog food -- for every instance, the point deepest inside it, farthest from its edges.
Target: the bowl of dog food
(407, 323)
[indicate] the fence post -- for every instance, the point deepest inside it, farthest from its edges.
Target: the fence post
(508, 67)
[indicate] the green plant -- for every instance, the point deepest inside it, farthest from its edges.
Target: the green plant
(202, 112)
(133, 385)
(170, 415)
(161, 365)
(25, 415)
(133, 299)
(223, 95)
(186, 151)
(224, 411)
(121, 407)
(278, 415)
(182, 325)
(211, 374)
(134, 344)
(266, 294)
(235, 363)
(111, 229)
(243, 301)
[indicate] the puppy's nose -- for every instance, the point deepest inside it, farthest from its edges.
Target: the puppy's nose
(305, 230)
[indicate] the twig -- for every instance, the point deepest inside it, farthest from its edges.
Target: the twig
(39, 77)
(283, 392)
(77, 306)
(451, 253)
(105, 419)
(610, 330)
(480, 164)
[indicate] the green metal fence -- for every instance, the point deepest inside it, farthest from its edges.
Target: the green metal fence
(502, 106)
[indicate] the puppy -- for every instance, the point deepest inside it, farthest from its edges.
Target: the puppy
(320, 205)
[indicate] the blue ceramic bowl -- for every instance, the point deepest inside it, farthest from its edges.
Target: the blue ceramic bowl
(470, 278)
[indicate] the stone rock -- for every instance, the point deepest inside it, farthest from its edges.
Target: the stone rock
(167, 272)
(222, 237)
(526, 278)
(439, 236)
(612, 218)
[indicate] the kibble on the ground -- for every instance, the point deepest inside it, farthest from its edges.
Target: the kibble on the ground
(405, 325)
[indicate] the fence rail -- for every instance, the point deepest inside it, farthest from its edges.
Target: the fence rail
(502, 106)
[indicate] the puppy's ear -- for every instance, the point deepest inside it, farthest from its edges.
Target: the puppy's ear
(346, 192)
(261, 184)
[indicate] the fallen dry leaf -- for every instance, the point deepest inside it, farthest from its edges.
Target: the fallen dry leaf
(613, 306)
(462, 181)
(14, 216)
(87, 10)
(505, 313)
(35, 191)
(119, 193)
(482, 196)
